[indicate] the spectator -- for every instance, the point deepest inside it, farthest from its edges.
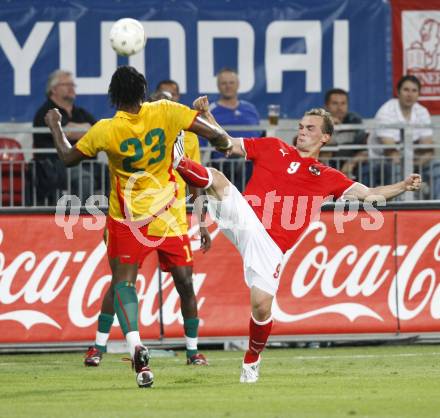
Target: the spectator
(347, 161)
(229, 110)
(404, 109)
(50, 171)
(169, 86)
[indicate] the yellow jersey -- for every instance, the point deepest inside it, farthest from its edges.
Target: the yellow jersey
(139, 149)
(174, 222)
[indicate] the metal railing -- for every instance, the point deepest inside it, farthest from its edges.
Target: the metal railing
(40, 182)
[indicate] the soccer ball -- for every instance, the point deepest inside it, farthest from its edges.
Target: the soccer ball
(127, 36)
(145, 378)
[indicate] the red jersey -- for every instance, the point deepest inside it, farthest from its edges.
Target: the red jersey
(286, 190)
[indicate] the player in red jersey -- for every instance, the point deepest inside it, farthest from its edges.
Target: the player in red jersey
(282, 197)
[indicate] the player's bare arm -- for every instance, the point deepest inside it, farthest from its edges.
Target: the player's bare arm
(361, 192)
(69, 155)
(202, 105)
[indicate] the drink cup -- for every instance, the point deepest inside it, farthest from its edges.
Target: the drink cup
(273, 112)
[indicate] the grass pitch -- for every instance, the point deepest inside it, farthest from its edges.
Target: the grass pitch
(392, 381)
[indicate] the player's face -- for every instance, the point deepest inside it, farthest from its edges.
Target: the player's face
(310, 135)
(64, 90)
(227, 84)
(408, 94)
(337, 105)
(172, 89)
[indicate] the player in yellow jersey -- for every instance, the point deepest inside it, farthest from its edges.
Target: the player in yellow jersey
(138, 141)
(174, 251)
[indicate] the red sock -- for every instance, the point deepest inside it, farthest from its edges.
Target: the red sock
(258, 334)
(194, 173)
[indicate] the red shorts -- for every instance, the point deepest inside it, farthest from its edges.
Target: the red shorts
(122, 244)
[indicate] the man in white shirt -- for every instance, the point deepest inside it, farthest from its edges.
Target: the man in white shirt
(403, 110)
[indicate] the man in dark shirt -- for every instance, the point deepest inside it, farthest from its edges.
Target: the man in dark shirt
(50, 171)
(336, 103)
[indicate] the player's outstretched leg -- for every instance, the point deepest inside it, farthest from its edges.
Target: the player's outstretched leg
(178, 148)
(194, 173)
(210, 179)
(260, 325)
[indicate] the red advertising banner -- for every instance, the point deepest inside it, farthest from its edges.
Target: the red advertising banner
(418, 262)
(416, 46)
(347, 275)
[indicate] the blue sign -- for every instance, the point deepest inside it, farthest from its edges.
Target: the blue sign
(287, 52)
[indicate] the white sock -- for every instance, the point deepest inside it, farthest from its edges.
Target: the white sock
(133, 339)
(102, 338)
(191, 343)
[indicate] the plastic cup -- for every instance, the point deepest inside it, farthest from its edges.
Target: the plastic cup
(273, 113)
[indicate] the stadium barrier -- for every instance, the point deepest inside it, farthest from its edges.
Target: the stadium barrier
(20, 185)
(358, 272)
(22, 177)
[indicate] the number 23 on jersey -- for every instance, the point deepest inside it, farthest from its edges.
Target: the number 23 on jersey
(135, 144)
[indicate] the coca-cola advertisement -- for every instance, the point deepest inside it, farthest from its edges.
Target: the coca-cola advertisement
(367, 272)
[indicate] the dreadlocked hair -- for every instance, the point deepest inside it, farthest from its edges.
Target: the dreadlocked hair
(128, 87)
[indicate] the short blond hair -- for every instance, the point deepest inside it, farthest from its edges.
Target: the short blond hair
(328, 126)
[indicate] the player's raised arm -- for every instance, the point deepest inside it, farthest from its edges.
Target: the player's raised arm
(361, 192)
(69, 155)
(206, 118)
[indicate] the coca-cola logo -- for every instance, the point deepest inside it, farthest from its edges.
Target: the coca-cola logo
(366, 276)
(47, 278)
(320, 276)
